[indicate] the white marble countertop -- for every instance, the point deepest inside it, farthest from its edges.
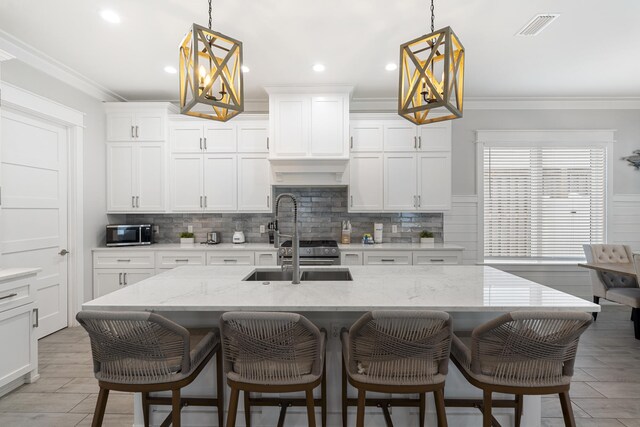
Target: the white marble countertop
(459, 288)
(16, 273)
(400, 247)
(269, 247)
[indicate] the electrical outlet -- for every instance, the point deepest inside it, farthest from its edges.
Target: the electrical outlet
(262, 229)
(335, 330)
(190, 228)
(156, 229)
(394, 228)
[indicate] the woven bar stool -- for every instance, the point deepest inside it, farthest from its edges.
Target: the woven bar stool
(144, 352)
(403, 352)
(273, 353)
(520, 353)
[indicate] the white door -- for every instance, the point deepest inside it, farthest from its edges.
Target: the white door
(254, 183)
(219, 138)
(400, 136)
(120, 165)
(149, 127)
(253, 136)
(400, 182)
(366, 135)
(186, 137)
(328, 136)
(366, 182)
(150, 177)
(186, 183)
(435, 136)
(434, 181)
(291, 126)
(120, 127)
(34, 211)
(220, 188)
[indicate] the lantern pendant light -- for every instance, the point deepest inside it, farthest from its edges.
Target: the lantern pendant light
(210, 74)
(431, 77)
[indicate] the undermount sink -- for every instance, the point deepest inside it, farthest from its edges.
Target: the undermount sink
(331, 275)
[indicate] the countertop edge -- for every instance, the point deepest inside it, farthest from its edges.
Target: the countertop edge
(16, 273)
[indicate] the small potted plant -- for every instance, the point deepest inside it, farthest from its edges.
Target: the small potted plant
(187, 238)
(426, 237)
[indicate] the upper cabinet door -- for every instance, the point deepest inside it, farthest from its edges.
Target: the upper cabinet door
(328, 126)
(366, 182)
(220, 186)
(186, 183)
(435, 136)
(290, 122)
(400, 136)
(253, 136)
(150, 177)
(366, 135)
(400, 182)
(186, 137)
(219, 138)
(121, 127)
(120, 172)
(434, 181)
(254, 183)
(149, 126)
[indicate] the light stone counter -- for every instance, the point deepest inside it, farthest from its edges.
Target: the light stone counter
(400, 247)
(195, 247)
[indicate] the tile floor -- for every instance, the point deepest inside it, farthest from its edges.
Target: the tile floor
(605, 390)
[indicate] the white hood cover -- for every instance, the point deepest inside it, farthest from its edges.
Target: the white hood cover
(310, 171)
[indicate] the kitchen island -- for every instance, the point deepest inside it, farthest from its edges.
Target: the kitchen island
(196, 296)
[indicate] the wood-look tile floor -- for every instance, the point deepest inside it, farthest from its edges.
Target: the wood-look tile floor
(605, 389)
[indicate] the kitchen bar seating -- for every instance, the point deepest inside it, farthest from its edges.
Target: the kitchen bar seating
(270, 352)
(144, 352)
(404, 352)
(520, 353)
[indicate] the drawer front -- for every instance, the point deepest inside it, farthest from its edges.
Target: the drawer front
(174, 259)
(243, 258)
(266, 258)
(436, 257)
(14, 293)
(388, 258)
(123, 259)
(16, 333)
(351, 258)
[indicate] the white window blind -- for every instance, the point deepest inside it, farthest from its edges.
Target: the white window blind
(543, 202)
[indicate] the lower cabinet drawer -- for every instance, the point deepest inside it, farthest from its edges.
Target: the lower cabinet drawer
(123, 259)
(266, 258)
(350, 258)
(172, 259)
(243, 258)
(437, 257)
(388, 258)
(16, 292)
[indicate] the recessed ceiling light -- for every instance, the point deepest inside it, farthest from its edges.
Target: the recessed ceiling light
(391, 66)
(318, 68)
(169, 69)
(110, 16)
(245, 69)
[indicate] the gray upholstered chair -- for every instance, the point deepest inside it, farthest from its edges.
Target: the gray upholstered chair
(275, 352)
(405, 352)
(521, 353)
(611, 286)
(145, 352)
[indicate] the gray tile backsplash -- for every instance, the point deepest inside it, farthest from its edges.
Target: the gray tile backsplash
(321, 211)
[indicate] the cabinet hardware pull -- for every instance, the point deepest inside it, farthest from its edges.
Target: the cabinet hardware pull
(420, 142)
(37, 313)
(351, 144)
(205, 200)
(124, 260)
(436, 260)
(419, 201)
(200, 201)
(230, 260)
(124, 276)
(268, 204)
(9, 296)
(415, 202)
(387, 260)
(201, 143)
(182, 260)
(132, 135)
(205, 142)
(119, 279)
(133, 201)
(137, 136)
(137, 201)
(267, 143)
(351, 201)
(415, 142)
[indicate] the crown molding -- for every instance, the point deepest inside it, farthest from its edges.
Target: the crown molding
(5, 56)
(40, 61)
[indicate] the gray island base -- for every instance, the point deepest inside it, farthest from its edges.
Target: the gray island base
(196, 296)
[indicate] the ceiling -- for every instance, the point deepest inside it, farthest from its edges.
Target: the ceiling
(590, 51)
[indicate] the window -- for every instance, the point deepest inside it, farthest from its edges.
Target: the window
(543, 201)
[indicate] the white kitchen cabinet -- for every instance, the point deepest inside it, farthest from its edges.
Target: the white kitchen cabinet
(166, 260)
(434, 181)
(399, 136)
(253, 136)
(186, 182)
(435, 257)
(254, 183)
(387, 257)
(400, 182)
(199, 136)
(17, 335)
(230, 258)
(136, 126)
(366, 182)
(366, 135)
(266, 258)
(219, 137)
(135, 177)
(309, 124)
(107, 280)
(220, 186)
(123, 259)
(351, 258)
(435, 136)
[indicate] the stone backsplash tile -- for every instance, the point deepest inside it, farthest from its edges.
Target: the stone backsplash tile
(321, 211)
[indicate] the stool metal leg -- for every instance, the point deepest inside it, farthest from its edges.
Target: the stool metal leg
(421, 413)
(176, 407)
(486, 408)
(247, 408)
(145, 408)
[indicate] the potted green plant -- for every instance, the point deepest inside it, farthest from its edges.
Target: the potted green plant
(426, 237)
(187, 238)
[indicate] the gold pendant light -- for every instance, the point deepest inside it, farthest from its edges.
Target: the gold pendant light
(431, 77)
(211, 74)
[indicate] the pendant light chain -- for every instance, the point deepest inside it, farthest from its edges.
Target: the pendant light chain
(210, 14)
(433, 17)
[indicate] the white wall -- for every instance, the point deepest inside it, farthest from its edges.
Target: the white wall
(28, 78)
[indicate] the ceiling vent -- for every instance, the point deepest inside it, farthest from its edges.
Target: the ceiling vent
(537, 24)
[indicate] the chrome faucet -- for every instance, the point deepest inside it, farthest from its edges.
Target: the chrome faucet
(295, 239)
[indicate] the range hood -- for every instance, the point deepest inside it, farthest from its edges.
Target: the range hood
(310, 171)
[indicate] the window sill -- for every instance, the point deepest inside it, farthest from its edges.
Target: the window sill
(533, 262)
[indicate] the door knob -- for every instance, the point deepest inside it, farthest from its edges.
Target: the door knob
(63, 252)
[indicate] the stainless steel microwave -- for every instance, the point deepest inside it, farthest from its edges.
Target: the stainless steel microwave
(129, 235)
